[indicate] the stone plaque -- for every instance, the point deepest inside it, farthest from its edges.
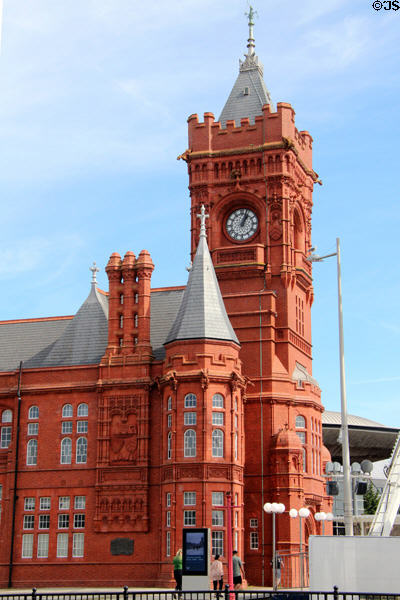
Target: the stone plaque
(121, 546)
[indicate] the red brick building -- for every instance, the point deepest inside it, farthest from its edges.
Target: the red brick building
(135, 417)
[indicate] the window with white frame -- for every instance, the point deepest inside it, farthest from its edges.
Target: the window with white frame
(302, 436)
(78, 545)
(235, 446)
(168, 499)
(217, 518)
(31, 452)
(189, 518)
(66, 427)
(190, 401)
(168, 519)
(63, 521)
(236, 539)
(169, 403)
(62, 545)
(6, 416)
(189, 443)
(82, 427)
(218, 418)
(66, 451)
(5, 439)
(29, 521)
(33, 428)
(253, 540)
(81, 450)
(236, 518)
(67, 411)
(80, 502)
(83, 410)
(300, 422)
(43, 545)
(217, 499)
(44, 521)
(169, 421)
(27, 545)
(217, 542)
(45, 503)
(79, 521)
(218, 401)
(33, 412)
(168, 544)
(63, 503)
(189, 418)
(217, 443)
(253, 522)
(29, 503)
(169, 446)
(189, 498)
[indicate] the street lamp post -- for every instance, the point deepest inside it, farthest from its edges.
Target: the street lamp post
(303, 513)
(348, 508)
(274, 509)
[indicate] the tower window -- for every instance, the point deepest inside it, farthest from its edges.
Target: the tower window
(189, 443)
(246, 91)
(33, 412)
(67, 410)
(169, 446)
(217, 443)
(6, 417)
(190, 401)
(218, 401)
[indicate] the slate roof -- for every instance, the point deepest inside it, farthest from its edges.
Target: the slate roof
(202, 313)
(82, 339)
(248, 95)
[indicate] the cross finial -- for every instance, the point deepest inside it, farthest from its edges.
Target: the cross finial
(251, 14)
(94, 270)
(202, 216)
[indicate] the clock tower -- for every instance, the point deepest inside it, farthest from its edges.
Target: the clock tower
(252, 169)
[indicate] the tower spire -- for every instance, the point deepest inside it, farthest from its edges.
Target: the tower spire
(202, 216)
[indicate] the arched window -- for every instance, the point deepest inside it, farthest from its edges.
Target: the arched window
(190, 401)
(189, 442)
(67, 410)
(31, 452)
(81, 450)
(169, 446)
(33, 412)
(300, 422)
(83, 410)
(66, 451)
(218, 401)
(217, 443)
(6, 417)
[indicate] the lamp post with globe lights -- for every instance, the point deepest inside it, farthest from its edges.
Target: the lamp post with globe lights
(322, 517)
(302, 513)
(274, 508)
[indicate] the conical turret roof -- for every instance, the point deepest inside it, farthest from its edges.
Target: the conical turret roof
(202, 311)
(249, 94)
(84, 339)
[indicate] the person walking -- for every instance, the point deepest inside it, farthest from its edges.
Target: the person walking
(177, 562)
(238, 571)
(217, 574)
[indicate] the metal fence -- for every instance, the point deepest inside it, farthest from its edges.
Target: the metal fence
(255, 594)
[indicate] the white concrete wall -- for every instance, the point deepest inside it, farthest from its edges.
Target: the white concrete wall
(355, 564)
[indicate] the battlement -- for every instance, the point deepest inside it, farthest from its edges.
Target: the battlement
(270, 131)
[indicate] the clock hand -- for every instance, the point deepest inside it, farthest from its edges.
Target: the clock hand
(243, 221)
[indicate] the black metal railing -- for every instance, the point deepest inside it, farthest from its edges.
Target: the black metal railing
(168, 594)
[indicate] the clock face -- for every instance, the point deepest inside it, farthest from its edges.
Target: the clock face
(242, 224)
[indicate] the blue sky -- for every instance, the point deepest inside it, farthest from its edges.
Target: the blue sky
(94, 97)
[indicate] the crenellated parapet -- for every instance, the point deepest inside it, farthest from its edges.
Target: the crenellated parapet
(129, 303)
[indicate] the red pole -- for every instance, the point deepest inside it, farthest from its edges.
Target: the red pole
(229, 538)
